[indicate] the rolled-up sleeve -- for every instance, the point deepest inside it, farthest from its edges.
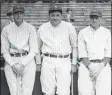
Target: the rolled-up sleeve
(5, 45)
(4, 42)
(107, 49)
(82, 51)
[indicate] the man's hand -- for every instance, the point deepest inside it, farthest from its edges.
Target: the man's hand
(15, 70)
(38, 67)
(73, 68)
(95, 69)
(21, 69)
(18, 69)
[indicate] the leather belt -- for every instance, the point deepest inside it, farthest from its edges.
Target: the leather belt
(96, 60)
(56, 56)
(19, 54)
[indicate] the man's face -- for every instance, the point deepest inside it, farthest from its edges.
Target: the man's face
(18, 17)
(55, 18)
(69, 12)
(95, 20)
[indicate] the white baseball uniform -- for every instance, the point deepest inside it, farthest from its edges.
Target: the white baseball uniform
(20, 39)
(94, 44)
(55, 72)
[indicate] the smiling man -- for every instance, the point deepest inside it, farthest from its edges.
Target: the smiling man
(19, 46)
(58, 39)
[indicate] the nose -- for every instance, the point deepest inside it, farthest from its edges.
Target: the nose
(94, 19)
(55, 17)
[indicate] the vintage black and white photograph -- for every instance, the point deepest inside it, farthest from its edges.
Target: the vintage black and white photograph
(55, 47)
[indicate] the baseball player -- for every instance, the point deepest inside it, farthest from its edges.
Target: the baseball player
(94, 47)
(57, 40)
(19, 46)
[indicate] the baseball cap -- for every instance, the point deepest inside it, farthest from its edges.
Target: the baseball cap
(18, 8)
(55, 8)
(96, 12)
(68, 9)
(9, 12)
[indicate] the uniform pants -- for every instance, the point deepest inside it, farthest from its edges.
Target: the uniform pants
(100, 86)
(55, 76)
(27, 80)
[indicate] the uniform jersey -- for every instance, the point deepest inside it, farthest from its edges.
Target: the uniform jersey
(16, 39)
(58, 40)
(95, 44)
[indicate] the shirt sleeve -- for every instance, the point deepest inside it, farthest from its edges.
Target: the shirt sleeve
(33, 46)
(82, 51)
(73, 36)
(5, 45)
(73, 42)
(107, 49)
(33, 41)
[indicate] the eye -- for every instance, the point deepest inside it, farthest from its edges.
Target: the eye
(57, 15)
(52, 15)
(20, 13)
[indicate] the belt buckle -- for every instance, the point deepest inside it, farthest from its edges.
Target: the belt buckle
(49, 55)
(56, 56)
(20, 54)
(23, 54)
(65, 56)
(97, 61)
(61, 56)
(17, 55)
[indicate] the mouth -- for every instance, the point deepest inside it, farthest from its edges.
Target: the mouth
(93, 22)
(18, 19)
(54, 19)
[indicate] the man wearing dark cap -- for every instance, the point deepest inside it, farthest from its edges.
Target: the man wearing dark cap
(94, 48)
(57, 40)
(19, 46)
(7, 21)
(69, 17)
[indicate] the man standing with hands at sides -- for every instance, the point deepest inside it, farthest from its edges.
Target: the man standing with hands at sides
(7, 21)
(69, 15)
(94, 45)
(57, 39)
(19, 46)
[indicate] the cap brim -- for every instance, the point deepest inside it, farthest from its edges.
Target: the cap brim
(51, 11)
(55, 10)
(95, 14)
(18, 10)
(8, 14)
